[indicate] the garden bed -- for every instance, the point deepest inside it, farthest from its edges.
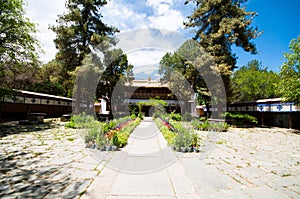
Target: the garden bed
(105, 136)
(178, 137)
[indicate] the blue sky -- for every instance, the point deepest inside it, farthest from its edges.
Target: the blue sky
(277, 19)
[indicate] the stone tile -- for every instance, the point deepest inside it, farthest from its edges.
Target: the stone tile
(147, 184)
(75, 189)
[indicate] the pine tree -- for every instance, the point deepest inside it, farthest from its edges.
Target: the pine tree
(77, 30)
(219, 24)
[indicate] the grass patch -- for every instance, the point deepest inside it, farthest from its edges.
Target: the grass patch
(71, 139)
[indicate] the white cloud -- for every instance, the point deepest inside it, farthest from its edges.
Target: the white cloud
(44, 13)
(156, 3)
(165, 17)
(121, 15)
(117, 14)
(143, 57)
(170, 20)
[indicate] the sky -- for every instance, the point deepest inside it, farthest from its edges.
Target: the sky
(279, 21)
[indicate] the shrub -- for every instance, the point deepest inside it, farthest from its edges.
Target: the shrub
(210, 126)
(241, 118)
(124, 133)
(180, 136)
(122, 139)
(82, 121)
(187, 117)
(91, 135)
(175, 116)
(140, 115)
(100, 140)
(70, 124)
(115, 140)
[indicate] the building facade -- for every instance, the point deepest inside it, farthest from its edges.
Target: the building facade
(144, 90)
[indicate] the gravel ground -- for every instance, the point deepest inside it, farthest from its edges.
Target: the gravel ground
(50, 161)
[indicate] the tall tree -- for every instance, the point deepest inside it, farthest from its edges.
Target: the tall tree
(118, 69)
(289, 85)
(253, 82)
(18, 46)
(183, 63)
(77, 30)
(219, 24)
(48, 78)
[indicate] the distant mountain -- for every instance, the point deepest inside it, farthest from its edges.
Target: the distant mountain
(143, 72)
(143, 76)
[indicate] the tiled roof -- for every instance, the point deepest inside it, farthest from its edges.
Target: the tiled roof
(148, 84)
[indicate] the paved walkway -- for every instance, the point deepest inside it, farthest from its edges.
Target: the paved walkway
(146, 168)
(52, 162)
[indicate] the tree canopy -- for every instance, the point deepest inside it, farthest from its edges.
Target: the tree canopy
(179, 70)
(78, 30)
(18, 46)
(219, 24)
(253, 82)
(289, 85)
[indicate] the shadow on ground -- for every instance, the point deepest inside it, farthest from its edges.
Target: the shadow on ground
(13, 127)
(26, 175)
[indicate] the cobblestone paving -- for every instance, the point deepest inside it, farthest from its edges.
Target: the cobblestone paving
(51, 163)
(245, 163)
(249, 163)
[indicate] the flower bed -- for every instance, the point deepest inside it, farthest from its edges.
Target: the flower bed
(178, 137)
(112, 135)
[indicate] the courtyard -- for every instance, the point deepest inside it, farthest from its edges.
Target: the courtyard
(51, 161)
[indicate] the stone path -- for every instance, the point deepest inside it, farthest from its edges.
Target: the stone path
(54, 163)
(146, 168)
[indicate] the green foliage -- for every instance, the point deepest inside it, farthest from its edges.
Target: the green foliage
(209, 126)
(140, 115)
(78, 29)
(96, 134)
(18, 46)
(100, 140)
(184, 138)
(91, 135)
(253, 82)
(70, 124)
(117, 70)
(122, 139)
(83, 121)
(47, 79)
(180, 73)
(166, 132)
(187, 117)
(126, 131)
(115, 140)
(175, 116)
(178, 137)
(289, 84)
(218, 25)
(241, 118)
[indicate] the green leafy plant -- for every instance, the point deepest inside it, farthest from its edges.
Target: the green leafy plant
(241, 118)
(91, 135)
(82, 121)
(175, 116)
(210, 126)
(115, 140)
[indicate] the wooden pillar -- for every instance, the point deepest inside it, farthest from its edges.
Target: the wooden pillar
(27, 111)
(262, 119)
(290, 120)
(0, 110)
